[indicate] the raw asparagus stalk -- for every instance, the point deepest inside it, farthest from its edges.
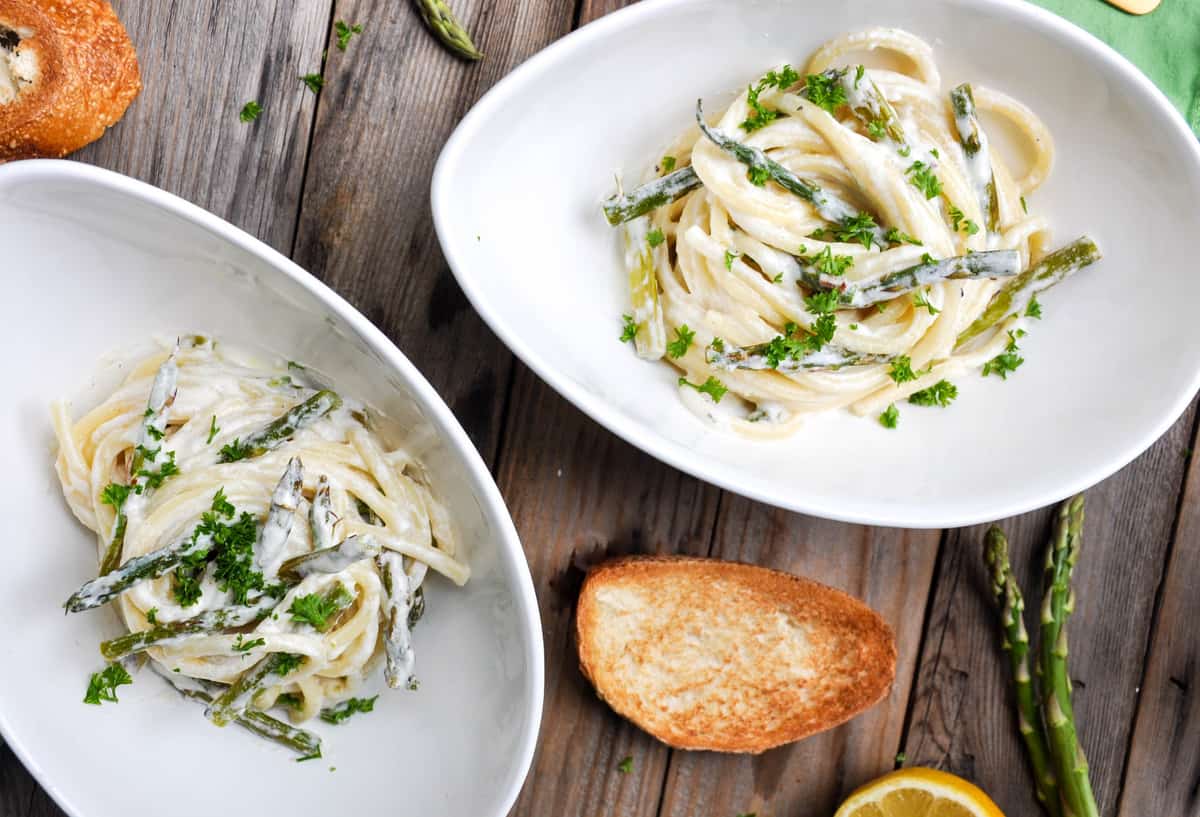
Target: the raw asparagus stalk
(282, 429)
(650, 340)
(236, 699)
(397, 607)
(320, 515)
(138, 569)
(759, 357)
(988, 264)
(154, 425)
(442, 22)
(761, 167)
(329, 560)
(278, 526)
(1070, 765)
(650, 196)
(203, 625)
(1014, 297)
(1016, 645)
(975, 149)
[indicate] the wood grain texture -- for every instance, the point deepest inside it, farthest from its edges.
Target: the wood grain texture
(889, 569)
(1162, 774)
(963, 718)
(17, 786)
(201, 61)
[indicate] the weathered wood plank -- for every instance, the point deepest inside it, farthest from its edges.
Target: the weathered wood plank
(891, 570)
(962, 717)
(201, 61)
(1162, 773)
(17, 786)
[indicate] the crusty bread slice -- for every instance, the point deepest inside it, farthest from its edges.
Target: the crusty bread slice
(705, 654)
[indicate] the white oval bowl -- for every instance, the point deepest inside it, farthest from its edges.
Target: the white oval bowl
(516, 197)
(95, 262)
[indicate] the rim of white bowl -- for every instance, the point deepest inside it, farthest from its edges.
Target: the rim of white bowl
(675, 455)
(484, 484)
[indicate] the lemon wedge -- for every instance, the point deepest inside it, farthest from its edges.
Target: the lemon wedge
(919, 792)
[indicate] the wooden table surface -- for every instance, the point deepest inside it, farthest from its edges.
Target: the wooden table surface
(340, 183)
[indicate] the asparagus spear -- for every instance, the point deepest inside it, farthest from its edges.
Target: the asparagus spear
(302, 742)
(766, 356)
(870, 106)
(236, 699)
(650, 196)
(154, 424)
(1016, 644)
(332, 559)
(1014, 297)
(650, 339)
(988, 264)
(320, 515)
(199, 626)
(975, 149)
(278, 526)
(761, 168)
(441, 21)
(138, 569)
(282, 429)
(1070, 765)
(398, 604)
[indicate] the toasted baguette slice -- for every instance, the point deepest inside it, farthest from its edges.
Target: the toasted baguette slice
(705, 654)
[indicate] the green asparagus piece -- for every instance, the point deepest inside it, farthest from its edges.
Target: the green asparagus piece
(988, 264)
(138, 569)
(650, 196)
(975, 149)
(762, 356)
(761, 168)
(397, 607)
(278, 525)
(1016, 644)
(300, 741)
(332, 559)
(870, 106)
(650, 339)
(320, 515)
(154, 425)
(1070, 766)
(282, 429)
(441, 21)
(205, 624)
(1014, 297)
(237, 698)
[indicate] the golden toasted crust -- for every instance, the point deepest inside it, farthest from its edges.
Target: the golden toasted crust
(86, 76)
(729, 657)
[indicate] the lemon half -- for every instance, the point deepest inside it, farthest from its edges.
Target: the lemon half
(919, 792)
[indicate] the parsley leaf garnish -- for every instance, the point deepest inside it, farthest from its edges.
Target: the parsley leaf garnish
(919, 302)
(115, 495)
(245, 646)
(825, 92)
(902, 370)
(668, 163)
(628, 330)
(941, 393)
(234, 451)
(1007, 361)
(232, 553)
(683, 341)
(890, 416)
(155, 479)
(213, 430)
(1034, 310)
(827, 263)
(289, 700)
(960, 221)
(626, 764)
(152, 615)
(758, 176)
(922, 177)
(347, 708)
(345, 32)
(655, 237)
(250, 111)
(762, 116)
(860, 228)
(287, 662)
(315, 82)
(729, 256)
(1024, 206)
(713, 387)
(822, 302)
(317, 610)
(103, 685)
(897, 237)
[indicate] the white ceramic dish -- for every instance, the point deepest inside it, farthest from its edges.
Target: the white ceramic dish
(516, 200)
(94, 262)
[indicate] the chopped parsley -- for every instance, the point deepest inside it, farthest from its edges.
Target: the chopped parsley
(148, 454)
(827, 263)
(626, 764)
(922, 177)
(897, 237)
(900, 758)
(926, 258)
(860, 228)
(152, 615)
(347, 708)
(890, 416)
(153, 433)
(902, 370)
(629, 329)
(713, 387)
(317, 610)
(103, 685)
(1007, 361)
(315, 82)
(213, 430)
(1024, 206)
(250, 111)
(232, 554)
(876, 129)
(941, 393)
(115, 495)
(761, 115)
(729, 256)
(234, 451)
(758, 175)
(287, 662)
(778, 279)
(933, 152)
(822, 302)
(155, 479)
(1034, 310)
(960, 221)
(290, 700)
(683, 341)
(825, 92)
(655, 237)
(919, 302)
(245, 646)
(859, 73)
(668, 163)
(345, 32)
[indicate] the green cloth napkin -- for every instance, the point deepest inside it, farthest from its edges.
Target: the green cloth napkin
(1165, 43)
